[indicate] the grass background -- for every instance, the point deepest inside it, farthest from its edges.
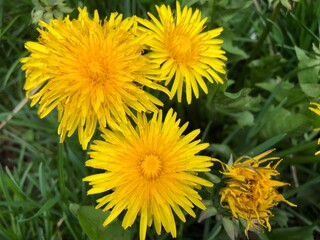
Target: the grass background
(273, 74)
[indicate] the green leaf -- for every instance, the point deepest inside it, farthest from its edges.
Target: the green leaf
(266, 145)
(49, 204)
(91, 221)
(212, 178)
(207, 213)
(280, 217)
(230, 47)
(308, 73)
(239, 102)
(286, 4)
(311, 183)
(188, 2)
(242, 92)
(229, 227)
(215, 231)
(14, 186)
(221, 149)
(276, 32)
(311, 89)
(244, 119)
(265, 68)
(308, 76)
(286, 90)
(3, 31)
(279, 120)
(301, 55)
(293, 233)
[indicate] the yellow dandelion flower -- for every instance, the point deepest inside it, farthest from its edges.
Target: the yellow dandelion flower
(250, 193)
(185, 53)
(91, 70)
(317, 111)
(150, 170)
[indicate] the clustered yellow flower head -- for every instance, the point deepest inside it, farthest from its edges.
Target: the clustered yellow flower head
(150, 171)
(186, 53)
(316, 109)
(250, 193)
(92, 71)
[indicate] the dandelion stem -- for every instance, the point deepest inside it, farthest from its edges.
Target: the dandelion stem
(18, 108)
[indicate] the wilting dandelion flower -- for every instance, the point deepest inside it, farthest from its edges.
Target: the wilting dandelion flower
(317, 111)
(92, 71)
(250, 193)
(150, 170)
(186, 53)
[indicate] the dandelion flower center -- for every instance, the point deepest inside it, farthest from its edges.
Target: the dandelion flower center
(100, 67)
(180, 48)
(151, 166)
(96, 72)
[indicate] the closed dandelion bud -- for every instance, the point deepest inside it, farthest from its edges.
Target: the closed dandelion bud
(250, 193)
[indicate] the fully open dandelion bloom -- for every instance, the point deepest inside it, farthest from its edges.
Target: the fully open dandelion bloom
(250, 193)
(316, 110)
(92, 71)
(150, 170)
(186, 53)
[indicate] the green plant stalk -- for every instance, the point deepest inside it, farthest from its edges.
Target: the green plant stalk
(7, 197)
(304, 219)
(180, 230)
(206, 229)
(314, 36)
(302, 160)
(265, 33)
(61, 178)
(294, 191)
(213, 12)
(298, 148)
(66, 221)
